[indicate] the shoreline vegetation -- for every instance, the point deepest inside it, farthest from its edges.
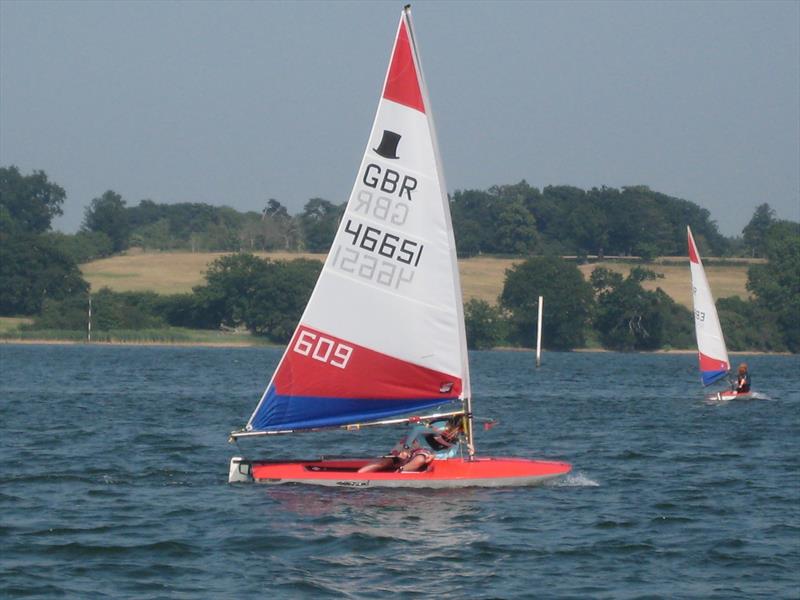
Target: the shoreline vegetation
(483, 277)
(610, 264)
(253, 342)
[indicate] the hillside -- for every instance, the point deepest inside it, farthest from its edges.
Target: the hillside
(481, 277)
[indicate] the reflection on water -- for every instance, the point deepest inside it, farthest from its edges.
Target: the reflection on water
(407, 515)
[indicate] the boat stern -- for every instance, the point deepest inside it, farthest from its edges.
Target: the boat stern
(240, 471)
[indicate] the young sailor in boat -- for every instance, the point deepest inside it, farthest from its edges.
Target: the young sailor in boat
(409, 455)
(743, 380)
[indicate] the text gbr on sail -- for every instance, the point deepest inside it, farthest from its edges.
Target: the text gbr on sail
(388, 181)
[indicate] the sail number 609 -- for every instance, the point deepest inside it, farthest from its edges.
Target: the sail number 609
(323, 349)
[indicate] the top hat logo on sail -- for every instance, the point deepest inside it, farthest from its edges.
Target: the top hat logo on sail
(388, 146)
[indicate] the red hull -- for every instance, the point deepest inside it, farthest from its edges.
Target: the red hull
(456, 472)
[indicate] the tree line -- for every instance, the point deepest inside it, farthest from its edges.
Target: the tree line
(513, 220)
(40, 276)
(617, 313)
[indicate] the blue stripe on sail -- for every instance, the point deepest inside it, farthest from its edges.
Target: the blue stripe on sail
(279, 412)
(710, 377)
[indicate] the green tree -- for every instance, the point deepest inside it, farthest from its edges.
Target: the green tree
(589, 226)
(33, 269)
(82, 246)
(628, 317)
(281, 230)
(756, 231)
(678, 322)
(319, 221)
(498, 220)
(28, 203)
(156, 235)
(69, 314)
(486, 325)
(749, 326)
(567, 299)
(231, 285)
(267, 297)
(220, 236)
(471, 221)
(107, 214)
(186, 310)
(273, 229)
(280, 298)
(125, 310)
(110, 311)
(515, 229)
(776, 284)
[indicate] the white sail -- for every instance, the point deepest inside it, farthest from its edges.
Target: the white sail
(383, 332)
(712, 353)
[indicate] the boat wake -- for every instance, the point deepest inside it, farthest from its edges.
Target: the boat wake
(574, 480)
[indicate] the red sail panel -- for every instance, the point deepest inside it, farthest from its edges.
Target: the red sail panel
(709, 363)
(321, 365)
(693, 250)
(402, 83)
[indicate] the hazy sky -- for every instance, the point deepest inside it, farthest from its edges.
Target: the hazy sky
(238, 102)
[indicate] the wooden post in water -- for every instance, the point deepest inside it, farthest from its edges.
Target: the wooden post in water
(89, 325)
(539, 335)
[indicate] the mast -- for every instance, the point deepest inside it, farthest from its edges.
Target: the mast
(466, 389)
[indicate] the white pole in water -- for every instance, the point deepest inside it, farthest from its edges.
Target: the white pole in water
(89, 327)
(539, 335)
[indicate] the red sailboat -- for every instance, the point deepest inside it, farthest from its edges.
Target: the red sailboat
(382, 338)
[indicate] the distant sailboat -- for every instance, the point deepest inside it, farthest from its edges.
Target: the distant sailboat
(383, 336)
(711, 349)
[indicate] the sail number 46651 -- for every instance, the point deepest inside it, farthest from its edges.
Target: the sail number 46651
(384, 243)
(323, 349)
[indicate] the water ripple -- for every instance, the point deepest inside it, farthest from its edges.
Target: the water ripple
(116, 486)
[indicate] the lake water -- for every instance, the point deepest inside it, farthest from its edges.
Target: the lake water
(115, 464)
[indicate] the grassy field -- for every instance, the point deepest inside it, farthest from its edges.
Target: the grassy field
(481, 277)
(725, 280)
(12, 323)
(161, 272)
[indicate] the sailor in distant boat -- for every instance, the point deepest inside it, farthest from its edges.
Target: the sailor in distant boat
(441, 441)
(743, 380)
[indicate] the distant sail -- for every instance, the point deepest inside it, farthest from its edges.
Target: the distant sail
(713, 355)
(383, 332)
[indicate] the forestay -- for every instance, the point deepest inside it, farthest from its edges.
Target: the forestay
(713, 355)
(383, 332)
